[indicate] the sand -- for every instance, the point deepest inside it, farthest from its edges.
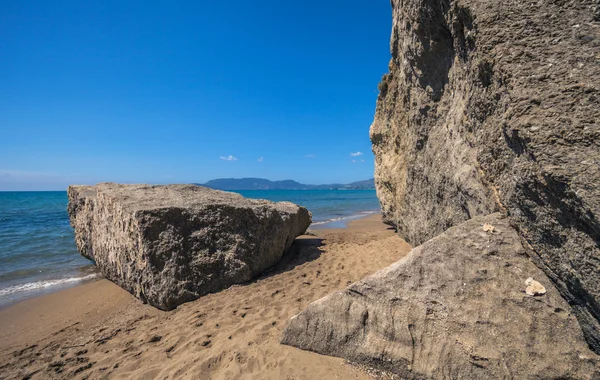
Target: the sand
(97, 330)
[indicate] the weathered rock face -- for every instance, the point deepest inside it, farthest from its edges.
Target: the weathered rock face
(454, 308)
(495, 106)
(171, 244)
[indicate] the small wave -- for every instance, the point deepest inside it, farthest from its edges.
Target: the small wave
(349, 217)
(329, 221)
(43, 284)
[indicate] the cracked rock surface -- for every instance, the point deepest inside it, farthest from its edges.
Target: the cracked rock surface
(171, 244)
(454, 308)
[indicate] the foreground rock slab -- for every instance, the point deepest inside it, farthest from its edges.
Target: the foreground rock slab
(495, 106)
(171, 244)
(455, 307)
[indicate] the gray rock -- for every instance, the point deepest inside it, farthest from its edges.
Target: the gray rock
(454, 308)
(495, 106)
(171, 244)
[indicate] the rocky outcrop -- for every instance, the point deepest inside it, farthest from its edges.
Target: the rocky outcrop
(171, 244)
(495, 106)
(455, 308)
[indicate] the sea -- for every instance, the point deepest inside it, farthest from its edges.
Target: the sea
(37, 247)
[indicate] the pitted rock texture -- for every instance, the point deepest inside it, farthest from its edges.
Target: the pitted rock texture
(495, 106)
(171, 244)
(454, 308)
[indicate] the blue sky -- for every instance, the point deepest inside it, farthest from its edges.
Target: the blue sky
(188, 91)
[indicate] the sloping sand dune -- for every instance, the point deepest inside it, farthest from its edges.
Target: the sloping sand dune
(97, 330)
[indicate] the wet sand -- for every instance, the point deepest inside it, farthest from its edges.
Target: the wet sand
(98, 330)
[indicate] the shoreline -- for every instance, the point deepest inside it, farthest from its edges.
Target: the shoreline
(342, 221)
(45, 287)
(237, 329)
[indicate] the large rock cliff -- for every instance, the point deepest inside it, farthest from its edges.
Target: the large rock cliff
(171, 244)
(495, 106)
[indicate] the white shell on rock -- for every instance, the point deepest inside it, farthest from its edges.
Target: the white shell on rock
(488, 228)
(534, 288)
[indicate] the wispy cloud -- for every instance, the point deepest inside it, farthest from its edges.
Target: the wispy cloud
(260, 159)
(356, 154)
(310, 156)
(228, 158)
(355, 161)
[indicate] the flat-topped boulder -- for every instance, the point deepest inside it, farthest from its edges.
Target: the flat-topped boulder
(456, 307)
(171, 244)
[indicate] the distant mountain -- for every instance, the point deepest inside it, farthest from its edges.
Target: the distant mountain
(366, 184)
(253, 184)
(265, 184)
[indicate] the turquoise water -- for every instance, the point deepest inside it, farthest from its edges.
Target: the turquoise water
(330, 208)
(37, 247)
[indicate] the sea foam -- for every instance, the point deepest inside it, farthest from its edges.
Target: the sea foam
(32, 286)
(362, 214)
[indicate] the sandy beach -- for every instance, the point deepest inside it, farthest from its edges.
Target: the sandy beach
(97, 330)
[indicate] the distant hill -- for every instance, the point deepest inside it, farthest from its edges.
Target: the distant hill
(265, 184)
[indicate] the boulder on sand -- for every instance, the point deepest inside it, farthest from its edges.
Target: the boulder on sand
(455, 308)
(171, 244)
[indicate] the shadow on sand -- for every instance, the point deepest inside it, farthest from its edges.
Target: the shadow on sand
(303, 250)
